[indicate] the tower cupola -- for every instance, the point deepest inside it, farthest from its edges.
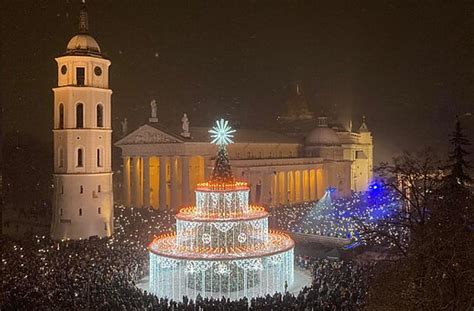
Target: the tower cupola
(83, 43)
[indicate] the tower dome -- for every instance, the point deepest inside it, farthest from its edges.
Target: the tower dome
(322, 135)
(83, 43)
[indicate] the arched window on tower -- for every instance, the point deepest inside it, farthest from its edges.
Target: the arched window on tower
(99, 158)
(100, 115)
(80, 157)
(61, 116)
(80, 116)
(60, 157)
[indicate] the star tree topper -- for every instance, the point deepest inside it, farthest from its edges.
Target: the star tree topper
(221, 135)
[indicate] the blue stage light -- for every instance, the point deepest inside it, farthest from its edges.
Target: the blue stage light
(331, 189)
(375, 186)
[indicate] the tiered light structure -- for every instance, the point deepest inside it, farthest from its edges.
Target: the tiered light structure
(222, 246)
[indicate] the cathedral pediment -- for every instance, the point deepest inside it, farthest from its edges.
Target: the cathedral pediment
(147, 134)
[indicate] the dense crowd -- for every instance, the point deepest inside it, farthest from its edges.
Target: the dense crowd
(81, 274)
(341, 218)
(101, 274)
(336, 285)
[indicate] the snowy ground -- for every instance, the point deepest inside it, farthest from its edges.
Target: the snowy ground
(302, 279)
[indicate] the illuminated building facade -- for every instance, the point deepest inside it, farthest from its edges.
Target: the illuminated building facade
(161, 164)
(83, 196)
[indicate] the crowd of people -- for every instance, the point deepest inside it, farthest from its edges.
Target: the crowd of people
(342, 218)
(38, 273)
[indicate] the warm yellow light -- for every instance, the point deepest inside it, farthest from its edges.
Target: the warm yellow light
(191, 211)
(208, 186)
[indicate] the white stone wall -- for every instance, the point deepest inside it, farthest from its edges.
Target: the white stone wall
(76, 213)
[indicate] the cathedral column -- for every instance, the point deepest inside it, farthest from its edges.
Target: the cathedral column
(285, 187)
(305, 185)
(126, 181)
(154, 182)
(301, 186)
(294, 196)
(276, 192)
(288, 186)
(310, 197)
(136, 175)
(315, 183)
(298, 181)
(146, 181)
(185, 180)
(162, 182)
(174, 182)
(321, 175)
(311, 184)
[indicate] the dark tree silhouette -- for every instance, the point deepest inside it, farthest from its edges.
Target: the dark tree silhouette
(412, 178)
(458, 164)
(436, 269)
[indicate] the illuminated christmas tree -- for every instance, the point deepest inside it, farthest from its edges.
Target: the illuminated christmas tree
(222, 246)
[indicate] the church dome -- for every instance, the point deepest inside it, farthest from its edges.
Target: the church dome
(83, 43)
(322, 135)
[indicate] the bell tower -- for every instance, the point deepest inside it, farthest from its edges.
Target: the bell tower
(83, 193)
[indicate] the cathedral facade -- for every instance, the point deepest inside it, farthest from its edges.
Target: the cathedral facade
(83, 192)
(162, 165)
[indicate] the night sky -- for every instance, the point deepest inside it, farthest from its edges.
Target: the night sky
(407, 65)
